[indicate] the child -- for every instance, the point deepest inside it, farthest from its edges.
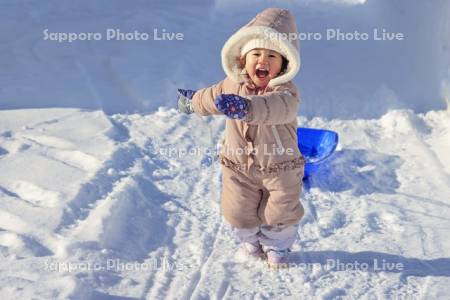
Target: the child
(262, 168)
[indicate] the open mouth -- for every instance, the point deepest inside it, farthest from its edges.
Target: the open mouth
(262, 73)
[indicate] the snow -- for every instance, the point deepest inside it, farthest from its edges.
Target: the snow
(106, 191)
(136, 223)
(366, 77)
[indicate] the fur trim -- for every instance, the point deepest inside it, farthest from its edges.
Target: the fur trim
(232, 49)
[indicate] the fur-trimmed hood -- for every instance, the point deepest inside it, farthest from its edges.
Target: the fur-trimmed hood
(278, 26)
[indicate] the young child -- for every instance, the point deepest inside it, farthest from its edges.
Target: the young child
(262, 168)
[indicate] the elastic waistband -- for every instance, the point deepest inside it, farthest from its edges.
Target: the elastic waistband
(273, 168)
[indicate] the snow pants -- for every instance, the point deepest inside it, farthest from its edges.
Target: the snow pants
(250, 199)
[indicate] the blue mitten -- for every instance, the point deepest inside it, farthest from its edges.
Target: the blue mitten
(184, 98)
(233, 106)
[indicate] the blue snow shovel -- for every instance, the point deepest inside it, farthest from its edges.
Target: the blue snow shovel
(316, 145)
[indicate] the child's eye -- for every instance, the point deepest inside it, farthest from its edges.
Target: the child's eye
(255, 54)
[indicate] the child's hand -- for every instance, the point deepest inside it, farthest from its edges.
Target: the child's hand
(185, 101)
(233, 106)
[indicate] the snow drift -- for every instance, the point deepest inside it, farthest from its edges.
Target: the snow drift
(339, 78)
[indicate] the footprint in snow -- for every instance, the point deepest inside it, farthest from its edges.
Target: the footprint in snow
(3, 152)
(331, 221)
(35, 194)
(13, 244)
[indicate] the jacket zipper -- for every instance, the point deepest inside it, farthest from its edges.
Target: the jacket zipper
(280, 148)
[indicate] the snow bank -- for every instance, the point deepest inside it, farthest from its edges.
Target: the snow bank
(343, 79)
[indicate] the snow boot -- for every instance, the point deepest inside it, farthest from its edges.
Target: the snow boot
(278, 259)
(249, 251)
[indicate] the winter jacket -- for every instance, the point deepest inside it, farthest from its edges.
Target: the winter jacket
(267, 137)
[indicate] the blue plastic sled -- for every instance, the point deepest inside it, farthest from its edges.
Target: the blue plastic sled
(316, 145)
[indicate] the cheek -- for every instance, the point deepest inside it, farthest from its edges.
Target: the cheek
(277, 67)
(250, 67)
(249, 61)
(275, 71)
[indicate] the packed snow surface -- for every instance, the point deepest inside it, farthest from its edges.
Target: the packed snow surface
(107, 192)
(128, 205)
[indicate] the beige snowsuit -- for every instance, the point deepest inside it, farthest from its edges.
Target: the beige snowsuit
(262, 167)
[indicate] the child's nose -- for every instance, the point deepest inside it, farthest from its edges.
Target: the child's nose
(263, 58)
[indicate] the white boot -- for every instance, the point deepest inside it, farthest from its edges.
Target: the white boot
(250, 248)
(278, 259)
(276, 242)
(248, 251)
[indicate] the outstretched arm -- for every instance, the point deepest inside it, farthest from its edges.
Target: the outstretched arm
(203, 100)
(277, 107)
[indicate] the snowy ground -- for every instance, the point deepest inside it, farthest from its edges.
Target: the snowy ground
(99, 200)
(94, 206)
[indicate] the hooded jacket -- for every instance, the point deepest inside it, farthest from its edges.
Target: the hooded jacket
(266, 138)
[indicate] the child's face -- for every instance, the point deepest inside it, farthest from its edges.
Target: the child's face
(262, 65)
